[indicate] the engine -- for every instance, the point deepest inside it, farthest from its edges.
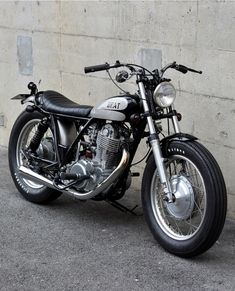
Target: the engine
(103, 156)
(108, 144)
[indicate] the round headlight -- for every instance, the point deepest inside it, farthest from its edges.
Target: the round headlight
(164, 94)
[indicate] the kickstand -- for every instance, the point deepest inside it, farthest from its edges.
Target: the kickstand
(121, 207)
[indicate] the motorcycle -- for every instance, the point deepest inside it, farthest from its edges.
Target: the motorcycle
(58, 146)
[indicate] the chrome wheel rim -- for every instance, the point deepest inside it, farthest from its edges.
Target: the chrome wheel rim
(183, 218)
(23, 141)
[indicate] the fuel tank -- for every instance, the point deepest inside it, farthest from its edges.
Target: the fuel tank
(117, 108)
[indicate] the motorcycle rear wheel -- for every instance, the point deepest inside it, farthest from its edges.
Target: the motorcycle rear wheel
(21, 135)
(192, 224)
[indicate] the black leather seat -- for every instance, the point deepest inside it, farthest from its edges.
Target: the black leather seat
(55, 102)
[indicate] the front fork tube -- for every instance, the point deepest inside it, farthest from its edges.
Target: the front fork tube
(175, 120)
(155, 144)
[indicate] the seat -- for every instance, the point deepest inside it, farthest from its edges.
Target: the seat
(55, 102)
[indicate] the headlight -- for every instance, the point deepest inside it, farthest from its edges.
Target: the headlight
(164, 94)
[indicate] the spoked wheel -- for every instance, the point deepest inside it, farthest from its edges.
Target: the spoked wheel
(21, 135)
(192, 223)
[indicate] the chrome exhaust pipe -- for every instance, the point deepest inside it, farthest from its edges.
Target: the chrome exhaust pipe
(26, 173)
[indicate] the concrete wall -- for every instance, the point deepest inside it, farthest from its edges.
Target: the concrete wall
(53, 41)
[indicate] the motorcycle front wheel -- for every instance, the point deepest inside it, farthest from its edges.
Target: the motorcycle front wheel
(192, 223)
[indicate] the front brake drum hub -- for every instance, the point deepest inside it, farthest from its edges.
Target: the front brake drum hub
(183, 206)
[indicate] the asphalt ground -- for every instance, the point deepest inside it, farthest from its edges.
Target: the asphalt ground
(72, 245)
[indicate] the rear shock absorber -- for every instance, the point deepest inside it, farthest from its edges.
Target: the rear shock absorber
(42, 128)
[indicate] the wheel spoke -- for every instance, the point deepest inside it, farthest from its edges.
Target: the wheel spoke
(199, 209)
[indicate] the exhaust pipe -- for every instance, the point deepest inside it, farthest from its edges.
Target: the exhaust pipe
(26, 173)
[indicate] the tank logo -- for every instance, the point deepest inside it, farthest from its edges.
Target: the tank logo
(113, 105)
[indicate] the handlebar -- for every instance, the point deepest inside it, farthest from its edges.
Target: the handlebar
(102, 67)
(180, 68)
(107, 66)
(96, 68)
(184, 69)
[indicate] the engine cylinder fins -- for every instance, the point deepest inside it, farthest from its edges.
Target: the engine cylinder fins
(30, 175)
(108, 147)
(110, 144)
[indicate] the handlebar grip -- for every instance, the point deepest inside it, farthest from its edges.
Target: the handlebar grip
(194, 71)
(182, 69)
(96, 68)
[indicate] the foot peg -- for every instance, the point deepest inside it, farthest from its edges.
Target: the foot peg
(69, 176)
(73, 176)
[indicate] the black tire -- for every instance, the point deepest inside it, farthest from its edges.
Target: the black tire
(192, 224)
(31, 191)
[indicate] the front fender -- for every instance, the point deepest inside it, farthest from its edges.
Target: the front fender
(183, 137)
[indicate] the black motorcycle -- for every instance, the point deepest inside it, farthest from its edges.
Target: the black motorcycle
(58, 146)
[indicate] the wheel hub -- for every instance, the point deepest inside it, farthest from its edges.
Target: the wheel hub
(183, 206)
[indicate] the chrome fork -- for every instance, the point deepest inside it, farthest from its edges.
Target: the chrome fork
(154, 141)
(175, 121)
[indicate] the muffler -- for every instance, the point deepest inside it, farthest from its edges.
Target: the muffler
(26, 173)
